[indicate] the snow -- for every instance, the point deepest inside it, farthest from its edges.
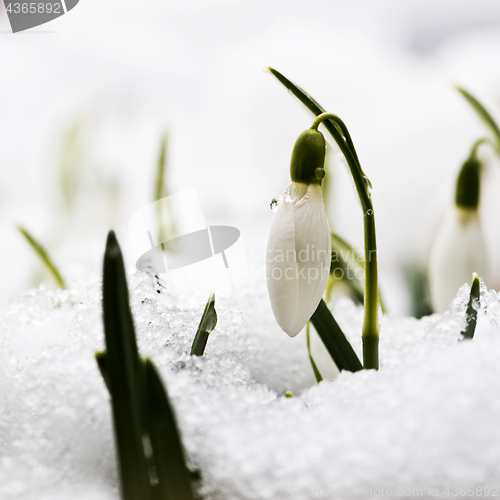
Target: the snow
(428, 418)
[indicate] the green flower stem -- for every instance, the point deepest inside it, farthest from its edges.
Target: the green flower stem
(316, 371)
(468, 184)
(479, 142)
(370, 323)
(486, 118)
(44, 257)
(340, 134)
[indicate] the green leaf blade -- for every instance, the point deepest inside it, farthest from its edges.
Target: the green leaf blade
(166, 225)
(124, 375)
(43, 256)
(484, 115)
(168, 451)
(316, 371)
(417, 282)
(334, 339)
(472, 308)
(207, 324)
(160, 188)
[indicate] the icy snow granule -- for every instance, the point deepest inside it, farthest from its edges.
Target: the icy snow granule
(428, 419)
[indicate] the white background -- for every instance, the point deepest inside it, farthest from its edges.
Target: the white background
(127, 71)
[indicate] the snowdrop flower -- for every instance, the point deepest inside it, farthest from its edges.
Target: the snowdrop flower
(299, 247)
(459, 249)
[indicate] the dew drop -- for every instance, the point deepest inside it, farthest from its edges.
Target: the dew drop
(275, 202)
(369, 212)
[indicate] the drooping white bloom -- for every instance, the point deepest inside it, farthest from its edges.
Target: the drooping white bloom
(298, 256)
(458, 251)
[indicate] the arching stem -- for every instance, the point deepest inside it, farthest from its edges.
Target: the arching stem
(370, 332)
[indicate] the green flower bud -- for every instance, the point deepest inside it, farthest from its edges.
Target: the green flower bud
(308, 158)
(468, 184)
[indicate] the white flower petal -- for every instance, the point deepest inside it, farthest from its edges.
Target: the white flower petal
(313, 247)
(298, 256)
(280, 264)
(457, 252)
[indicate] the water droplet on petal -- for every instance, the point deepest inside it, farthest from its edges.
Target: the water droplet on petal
(275, 202)
(369, 212)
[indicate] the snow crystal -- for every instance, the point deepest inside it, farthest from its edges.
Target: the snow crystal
(427, 419)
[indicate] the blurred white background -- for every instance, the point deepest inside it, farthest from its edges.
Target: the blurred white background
(111, 76)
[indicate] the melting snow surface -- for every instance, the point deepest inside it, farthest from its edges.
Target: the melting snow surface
(428, 419)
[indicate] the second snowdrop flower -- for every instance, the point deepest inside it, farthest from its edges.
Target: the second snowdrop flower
(459, 249)
(299, 247)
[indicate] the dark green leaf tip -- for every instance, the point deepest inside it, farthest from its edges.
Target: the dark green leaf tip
(43, 256)
(472, 309)
(483, 114)
(112, 245)
(207, 324)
